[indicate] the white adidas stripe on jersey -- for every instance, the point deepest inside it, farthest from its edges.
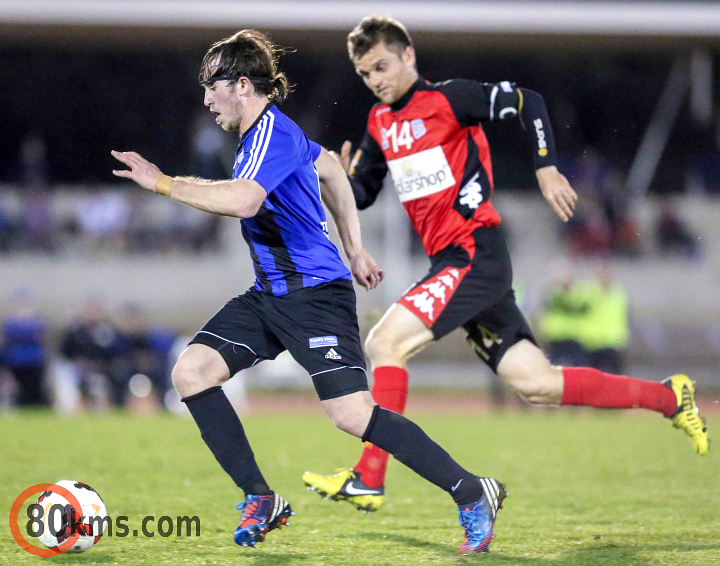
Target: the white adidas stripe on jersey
(261, 142)
(257, 142)
(265, 145)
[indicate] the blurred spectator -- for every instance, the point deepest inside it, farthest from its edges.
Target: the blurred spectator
(7, 227)
(588, 231)
(604, 331)
(103, 219)
(195, 230)
(602, 223)
(672, 233)
(23, 350)
(563, 310)
(143, 234)
(208, 148)
(140, 352)
(37, 221)
(33, 161)
(89, 345)
(586, 323)
(624, 231)
(38, 228)
(163, 339)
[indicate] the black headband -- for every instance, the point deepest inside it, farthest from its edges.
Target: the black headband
(211, 80)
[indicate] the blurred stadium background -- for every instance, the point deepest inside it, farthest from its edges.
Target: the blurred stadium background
(633, 93)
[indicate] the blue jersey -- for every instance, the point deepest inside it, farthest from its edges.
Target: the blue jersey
(288, 236)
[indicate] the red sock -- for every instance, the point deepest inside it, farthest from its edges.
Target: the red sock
(588, 386)
(390, 386)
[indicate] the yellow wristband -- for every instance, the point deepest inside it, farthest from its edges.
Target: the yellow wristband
(163, 184)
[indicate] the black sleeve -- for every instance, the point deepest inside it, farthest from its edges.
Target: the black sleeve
(473, 102)
(367, 172)
(534, 119)
(470, 100)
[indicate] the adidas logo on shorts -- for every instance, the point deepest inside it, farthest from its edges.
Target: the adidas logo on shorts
(333, 355)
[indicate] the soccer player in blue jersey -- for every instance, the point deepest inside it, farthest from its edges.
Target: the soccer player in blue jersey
(302, 301)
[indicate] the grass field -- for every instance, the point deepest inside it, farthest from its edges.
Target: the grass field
(586, 488)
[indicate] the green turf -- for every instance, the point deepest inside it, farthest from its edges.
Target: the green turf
(585, 488)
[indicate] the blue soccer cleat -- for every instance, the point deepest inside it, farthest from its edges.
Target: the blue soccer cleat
(260, 515)
(478, 518)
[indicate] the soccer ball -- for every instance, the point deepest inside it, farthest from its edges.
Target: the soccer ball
(88, 521)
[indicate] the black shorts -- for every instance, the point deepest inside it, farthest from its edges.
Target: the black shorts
(317, 325)
(473, 293)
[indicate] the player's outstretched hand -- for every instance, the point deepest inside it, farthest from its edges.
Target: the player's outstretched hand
(557, 191)
(141, 170)
(365, 270)
(344, 157)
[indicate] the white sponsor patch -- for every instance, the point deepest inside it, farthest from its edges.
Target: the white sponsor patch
(421, 174)
(322, 341)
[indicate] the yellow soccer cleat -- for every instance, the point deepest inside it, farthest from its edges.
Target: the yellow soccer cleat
(346, 485)
(686, 415)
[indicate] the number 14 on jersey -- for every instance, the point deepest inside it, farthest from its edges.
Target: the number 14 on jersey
(409, 132)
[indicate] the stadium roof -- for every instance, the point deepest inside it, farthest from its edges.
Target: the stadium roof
(514, 18)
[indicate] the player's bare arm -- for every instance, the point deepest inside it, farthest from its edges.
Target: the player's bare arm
(338, 197)
(240, 198)
(557, 191)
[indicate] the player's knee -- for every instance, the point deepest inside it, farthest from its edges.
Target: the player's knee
(373, 346)
(189, 376)
(351, 414)
(381, 345)
(352, 424)
(538, 388)
(537, 398)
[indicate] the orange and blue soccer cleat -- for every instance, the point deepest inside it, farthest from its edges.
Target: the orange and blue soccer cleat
(260, 515)
(478, 518)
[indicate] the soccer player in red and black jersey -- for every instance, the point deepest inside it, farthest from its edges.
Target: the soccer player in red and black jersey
(429, 137)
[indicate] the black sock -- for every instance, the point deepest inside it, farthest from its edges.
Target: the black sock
(409, 444)
(222, 431)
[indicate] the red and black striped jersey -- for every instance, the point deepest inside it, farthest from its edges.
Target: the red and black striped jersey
(434, 147)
